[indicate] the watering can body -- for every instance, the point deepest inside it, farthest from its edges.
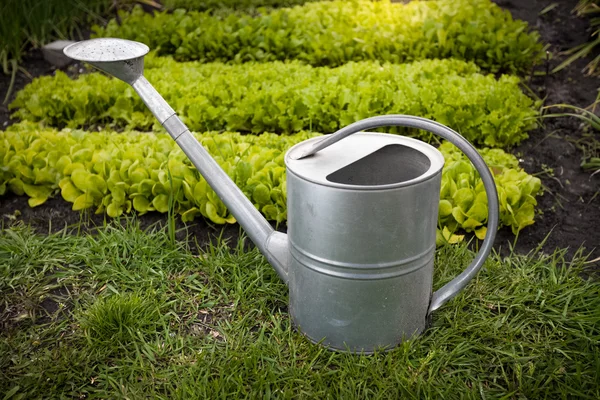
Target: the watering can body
(362, 216)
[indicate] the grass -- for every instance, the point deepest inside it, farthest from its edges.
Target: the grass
(33, 23)
(126, 313)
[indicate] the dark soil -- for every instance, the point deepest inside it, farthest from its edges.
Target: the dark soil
(571, 203)
(570, 207)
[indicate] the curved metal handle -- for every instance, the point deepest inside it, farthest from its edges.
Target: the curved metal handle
(449, 290)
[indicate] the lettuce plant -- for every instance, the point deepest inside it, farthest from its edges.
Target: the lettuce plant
(290, 97)
(463, 200)
(333, 33)
(116, 173)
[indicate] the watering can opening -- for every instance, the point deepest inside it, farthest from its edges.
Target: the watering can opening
(366, 161)
(394, 163)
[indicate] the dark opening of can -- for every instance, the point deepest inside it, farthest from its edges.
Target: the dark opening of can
(390, 164)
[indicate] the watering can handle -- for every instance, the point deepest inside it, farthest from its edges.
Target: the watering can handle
(449, 290)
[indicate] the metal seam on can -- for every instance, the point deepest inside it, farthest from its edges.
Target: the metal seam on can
(174, 126)
(309, 261)
(341, 264)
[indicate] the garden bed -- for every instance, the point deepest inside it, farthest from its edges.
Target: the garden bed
(571, 205)
(570, 211)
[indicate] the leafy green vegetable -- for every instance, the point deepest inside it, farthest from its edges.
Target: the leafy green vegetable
(118, 173)
(336, 32)
(463, 201)
(290, 97)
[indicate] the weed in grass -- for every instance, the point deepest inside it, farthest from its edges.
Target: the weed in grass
(120, 319)
(132, 256)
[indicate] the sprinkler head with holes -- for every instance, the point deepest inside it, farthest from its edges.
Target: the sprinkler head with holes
(123, 59)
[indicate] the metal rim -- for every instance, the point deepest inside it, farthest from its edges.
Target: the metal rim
(106, 50)
(435, 157)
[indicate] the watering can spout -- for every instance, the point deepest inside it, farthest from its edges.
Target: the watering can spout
(272, 244)
(124, 59)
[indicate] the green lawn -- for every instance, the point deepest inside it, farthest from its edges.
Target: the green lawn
(130, 314)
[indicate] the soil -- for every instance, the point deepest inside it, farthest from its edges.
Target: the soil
(569, 209)
(571, 203)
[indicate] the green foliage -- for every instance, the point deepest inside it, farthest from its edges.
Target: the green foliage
(120, 319)
(290, 97)
(334, 33)
(34, 23)
(525, 327)
(463, 202)
(118, 173)
(115, 173)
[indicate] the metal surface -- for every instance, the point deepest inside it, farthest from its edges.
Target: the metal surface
(159, 107)
(106, 50)
(362, 216)
(448, 291)
(318, 169)
(362, 255)
(121, 58)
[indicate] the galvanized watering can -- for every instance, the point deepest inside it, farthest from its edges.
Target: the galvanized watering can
(362, 216)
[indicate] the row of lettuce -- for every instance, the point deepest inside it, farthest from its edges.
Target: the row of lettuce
(119, 172)
(344, 61)
(332, 33)
(291, 97)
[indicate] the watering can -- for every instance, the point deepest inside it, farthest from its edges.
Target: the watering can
(362, 216)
